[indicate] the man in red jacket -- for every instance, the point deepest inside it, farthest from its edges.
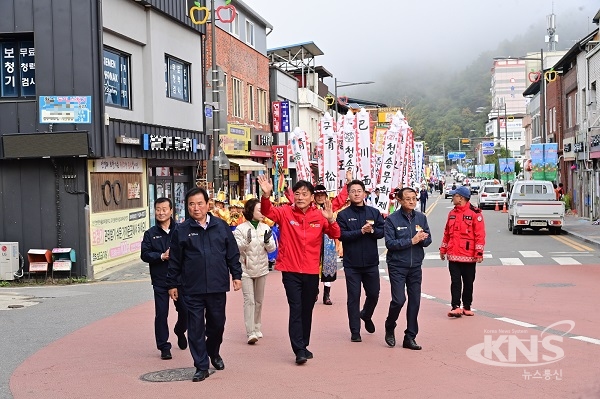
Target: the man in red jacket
(302, 226)
(462, 244)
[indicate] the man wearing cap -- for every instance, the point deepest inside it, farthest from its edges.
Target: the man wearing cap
(462, 245)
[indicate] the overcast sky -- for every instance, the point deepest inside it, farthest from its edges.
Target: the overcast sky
(361, 37)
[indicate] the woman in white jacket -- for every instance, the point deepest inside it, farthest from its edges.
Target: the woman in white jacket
(255, 240)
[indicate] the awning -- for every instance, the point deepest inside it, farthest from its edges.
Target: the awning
(246, 164)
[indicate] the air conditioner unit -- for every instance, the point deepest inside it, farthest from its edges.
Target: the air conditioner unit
(9, 260)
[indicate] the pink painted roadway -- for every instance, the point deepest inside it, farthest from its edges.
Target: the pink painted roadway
(106, 359)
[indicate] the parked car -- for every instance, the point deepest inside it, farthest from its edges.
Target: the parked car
(447, 191)
(532, 205)
(475, 186)
(490, 195)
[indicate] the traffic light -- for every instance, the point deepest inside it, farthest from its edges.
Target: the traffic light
(465, 143)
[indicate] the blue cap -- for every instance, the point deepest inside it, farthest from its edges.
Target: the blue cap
(462, 191)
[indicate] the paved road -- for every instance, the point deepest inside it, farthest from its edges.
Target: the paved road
(95, 340)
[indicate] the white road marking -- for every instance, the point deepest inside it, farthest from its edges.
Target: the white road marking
(587, 339)
(516, 322)
(531, 254)
(569, 252)
(386, 278)
(566, 261)
(487, 256)
(432, 255)
(427, 296)
(381, 270)
(511, 261)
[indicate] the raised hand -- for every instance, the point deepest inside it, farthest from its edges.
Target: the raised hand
(327, 210)
(266, 185)
(268, 235)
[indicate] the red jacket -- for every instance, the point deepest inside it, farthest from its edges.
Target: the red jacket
(301, 236)
(464, 234)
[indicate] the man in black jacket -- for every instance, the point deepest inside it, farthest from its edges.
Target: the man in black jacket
(406, 234)
(361, 227)
(155, 251)
(204, 253)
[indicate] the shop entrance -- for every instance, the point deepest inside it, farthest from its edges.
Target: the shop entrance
(172, 183)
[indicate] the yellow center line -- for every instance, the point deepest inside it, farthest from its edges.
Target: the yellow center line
(572, 244)
(428, 210)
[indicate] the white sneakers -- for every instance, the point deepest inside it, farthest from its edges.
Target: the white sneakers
(252, 339)
(258, 334)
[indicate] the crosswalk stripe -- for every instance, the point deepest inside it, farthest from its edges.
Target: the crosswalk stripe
(531, 254)
(511, 261)
(432, 256)
(487, 256)
(587, 339)
(516, 322)
(566, 261)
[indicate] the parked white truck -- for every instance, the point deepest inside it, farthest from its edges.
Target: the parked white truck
(532, 205)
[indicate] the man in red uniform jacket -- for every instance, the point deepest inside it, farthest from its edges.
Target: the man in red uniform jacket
(301, 226)
(462, 244)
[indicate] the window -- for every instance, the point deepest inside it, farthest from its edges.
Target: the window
(250, 33)
(553, 119)
(569, 111)
(234, 26)
(177, 79)
(238, 98)
(116, 79)
(17, 68)
(226, 94)
(263, 113)
(251, 102)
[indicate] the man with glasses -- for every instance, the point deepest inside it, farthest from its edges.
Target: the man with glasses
(361, 226)
(406, 234)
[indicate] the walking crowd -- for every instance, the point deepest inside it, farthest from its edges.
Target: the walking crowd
(192, 263)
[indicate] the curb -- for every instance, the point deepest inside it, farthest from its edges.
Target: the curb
(581, 237)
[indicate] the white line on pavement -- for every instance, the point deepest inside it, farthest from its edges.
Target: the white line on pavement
(516, 322)
(381, 270)
(531, 254)
(587, 339)
(566, 261)
(427, 296)
(511, 261)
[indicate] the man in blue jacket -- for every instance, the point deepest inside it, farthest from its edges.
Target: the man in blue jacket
(361, 227)
(204, 253)
(406, 234)
(155, 251)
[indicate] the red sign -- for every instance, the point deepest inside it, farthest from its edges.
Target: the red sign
(276, 111)
(280, 154)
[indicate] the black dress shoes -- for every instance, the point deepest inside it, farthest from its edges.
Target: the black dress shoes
(309, 354)
(165, 354)
(369, 326)
(390, 338)
(200, 375)
(217, 361)
(410, 343)
(355, 337)
(181, 341)
(301, 357)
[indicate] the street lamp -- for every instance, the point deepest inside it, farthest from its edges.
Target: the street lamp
(217, 174)
(345, 84)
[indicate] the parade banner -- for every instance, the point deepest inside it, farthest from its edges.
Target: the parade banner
(409, 159)
(299, 146)
(328, 150)
(378, 151)
(387, 170)
(551, 161)
(537, 161)
(350, 145)
(418, 148)
(276, 112)
(340, 138)
(397, 127)
(363, 121)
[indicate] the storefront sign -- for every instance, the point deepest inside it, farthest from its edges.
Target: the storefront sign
(276, 112)
(236, 141)
(128, 140)
(285, 116)
(117, 234)
(578, 147)
(17, 69)
(280, 155)
(151, 142)
(116, 79)
(264, 140)
(65, 109)
(568, 153)
(124, 165)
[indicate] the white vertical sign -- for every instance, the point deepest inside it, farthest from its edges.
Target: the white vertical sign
(329, 169)
(363, 127)
(350, 156)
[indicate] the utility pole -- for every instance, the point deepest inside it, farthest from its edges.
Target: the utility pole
(217, 177)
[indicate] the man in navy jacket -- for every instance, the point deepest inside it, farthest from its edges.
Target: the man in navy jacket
(204, 253)
(406, 234)
(361, 227)
(155, 251)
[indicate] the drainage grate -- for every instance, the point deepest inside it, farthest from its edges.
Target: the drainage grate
(554, 285)
(170, 375)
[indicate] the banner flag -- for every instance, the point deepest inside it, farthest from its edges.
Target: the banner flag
(299, 148)
(363, 121)
(328, 159)
(350, 156)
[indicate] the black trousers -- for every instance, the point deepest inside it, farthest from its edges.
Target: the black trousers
(462, 276)
(206, 324)
(423, 205)
(411, 277)
(369, 277)
(161, 315)
(301, 290)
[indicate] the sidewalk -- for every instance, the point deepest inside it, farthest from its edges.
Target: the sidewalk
(583, 229)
